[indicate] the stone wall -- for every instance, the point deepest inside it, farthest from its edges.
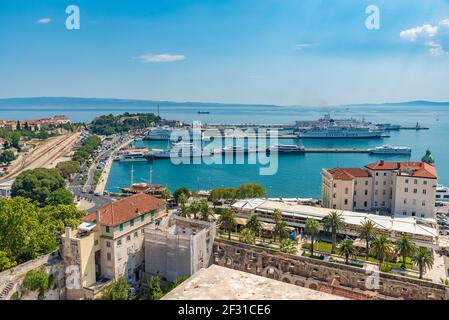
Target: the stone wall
(338, 279)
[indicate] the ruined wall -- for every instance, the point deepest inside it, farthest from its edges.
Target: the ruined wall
(342, 280)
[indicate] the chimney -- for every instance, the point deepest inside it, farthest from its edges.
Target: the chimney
(381, 163)
(97, 216)
(68, 231)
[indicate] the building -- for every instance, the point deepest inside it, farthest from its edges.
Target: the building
(178, 247)
(399, 188)
(109, 243)
(5, 189)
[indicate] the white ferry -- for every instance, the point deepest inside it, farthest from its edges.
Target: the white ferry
(335, 131)
(161, 133)
(134, 155)
(286, 148)
(180, 150)
(442, 193)
(388, 149)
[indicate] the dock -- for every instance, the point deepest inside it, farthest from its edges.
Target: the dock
(414, 128)
(336, 150)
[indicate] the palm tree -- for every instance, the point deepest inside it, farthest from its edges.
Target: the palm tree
(312, 228)
(288, 246)
(204, 210)
(182, 199)
(185, 211)
(382, 249)
(254, 224)
(405, 248)
(423, 259)
(194, 208)
(347, 249)
(277, 217)
(247, 236)
(281, 230)
(227, 220)
(367, 232)
(165, 194)
(334, 222)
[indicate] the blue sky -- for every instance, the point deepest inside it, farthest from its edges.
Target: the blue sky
(288, 52)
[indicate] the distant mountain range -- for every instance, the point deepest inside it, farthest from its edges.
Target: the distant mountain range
(58, 101)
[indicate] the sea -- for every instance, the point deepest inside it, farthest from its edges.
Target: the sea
(297, 176)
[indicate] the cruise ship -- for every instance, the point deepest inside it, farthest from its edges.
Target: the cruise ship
(180, 150)
(134, 155)
(388, 126)
(335, 131)
(161, 133)
(286, 148)
(442, 193)
(388, 149)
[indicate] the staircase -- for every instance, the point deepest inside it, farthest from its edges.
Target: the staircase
(6, 290)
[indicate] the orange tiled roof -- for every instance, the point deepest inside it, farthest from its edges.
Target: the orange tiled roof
(348, 173)
(125, 209)
(416, 169)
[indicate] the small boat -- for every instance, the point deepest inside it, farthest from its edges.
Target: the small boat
(388, 149)
(134, 155)
(203, 112)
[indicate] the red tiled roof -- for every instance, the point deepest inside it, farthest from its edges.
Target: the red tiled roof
(348, 173)
(125, 209)
(416, 169)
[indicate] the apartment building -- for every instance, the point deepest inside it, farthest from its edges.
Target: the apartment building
(400, 188)
(110, 242)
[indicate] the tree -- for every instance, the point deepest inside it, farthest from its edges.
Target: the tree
(38, 280)
(247, 236)
(118, 290)
(165, 194)
(60, 196)
(382, 249)
(423, 259)
(250, 191)
(334, 222)
(227, 220)
(178, 192)
(194, 208)
(347, 249)
(312, 228)
(277, 217)
(405, 248)
(254, 224)
(7, 157)
(281, 230)
(185, 211)
(154, 288)
(205, 211)
(288, 246)
(367, 232)
(6, 262)
(37, 184)
(67, 168)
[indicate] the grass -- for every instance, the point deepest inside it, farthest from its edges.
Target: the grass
(97, 177)
(306, 254)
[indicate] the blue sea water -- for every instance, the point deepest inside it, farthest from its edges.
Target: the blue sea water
(297, 175)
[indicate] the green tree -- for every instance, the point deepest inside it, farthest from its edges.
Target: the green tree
(67, 168)
(249, 190)
(423, 259)
(38, 280)
(347, 249)
(382, 249)
(37, 184)
(118, 290)
(154, 288)
(288, 246)
(254, 224)
(60, 196)
(334, 223)
(367, 232)
(6, 262)
(205, 211)
(312, 228)
(247, 236)
(194, 208)
(277, 217)
(7, 157)
(227, 221)
(165, 194)
(178, 192)
(405, 248)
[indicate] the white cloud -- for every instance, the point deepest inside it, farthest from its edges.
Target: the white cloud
(302, 46)
(44, 20)
(434, 37)
(161, 57)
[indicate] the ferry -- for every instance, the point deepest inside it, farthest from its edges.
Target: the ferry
(335, 131)
(442, 193)
(388, 149)
(203, 112)
(134, 155)
(286, 148)
(388, 126)
(160, 133)
(180, 150)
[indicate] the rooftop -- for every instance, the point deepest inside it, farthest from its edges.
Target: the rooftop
(125, 209)
(348, 173)
(414, 169)
(220, 283)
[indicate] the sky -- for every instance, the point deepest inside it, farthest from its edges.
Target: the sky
(285, 52)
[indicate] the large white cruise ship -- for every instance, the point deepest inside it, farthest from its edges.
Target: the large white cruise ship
(339, 132)
(134, 155)
(388, 149)
(161, 133)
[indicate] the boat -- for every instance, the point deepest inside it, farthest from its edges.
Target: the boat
(234, 149)
(134, 155)
(180, 150)
(286, 148)
(442, 193)
(335, 131)
(160, 133)
(388, 149)
(388, 126)
(152, 189)
(203, 112)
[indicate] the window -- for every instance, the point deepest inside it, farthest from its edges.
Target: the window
(355, 204)
(136, 234)
(377, 174)
(108, 256)
(335, 206)
(335, 185)
(121, 227)
(383, 203)
(405, 201)
(335, 195)
(355, 182)
(119, 242)
(366, 192)
(375, 203)
(376, 192)
(366, 182)
(406, 190)
(346, 201)
(346, 190)
(425, 182)
(415, 190)
(152, 214)
(423, 203)
(128, 238)
(413, 214)
(108, 244)
(131, 222)
(385, 174)
(415, 181)
(377, 183)
(365, 204)
(355, 192)
(384, 192)
(404, 213)
(143, 230)
(142, 217)
(424, 191)
(107, 229)
(385, 183)
(422, 216)
(406, 180)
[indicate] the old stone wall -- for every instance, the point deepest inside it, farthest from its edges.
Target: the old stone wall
(339, 279)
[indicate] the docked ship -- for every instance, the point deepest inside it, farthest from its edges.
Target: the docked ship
(335, 131)
(160, 133)
(152, 189)
(134, 155)
(286, 148)
(180, 150)
(388, 149)
(442, 193)
(388, 126)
